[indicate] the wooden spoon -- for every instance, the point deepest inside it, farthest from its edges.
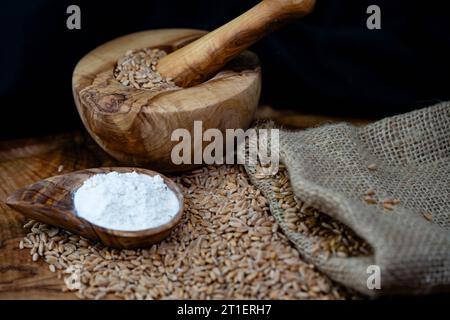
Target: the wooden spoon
(197, 61)
(51, 201)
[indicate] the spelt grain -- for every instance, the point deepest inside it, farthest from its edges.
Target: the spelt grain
(333, 238)
(228, 246)
(428, 216)
(388, 206)
(138, 69)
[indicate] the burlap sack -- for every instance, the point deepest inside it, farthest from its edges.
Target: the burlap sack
(328, 169)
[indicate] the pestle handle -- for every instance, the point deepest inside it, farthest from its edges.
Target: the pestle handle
(199, 60)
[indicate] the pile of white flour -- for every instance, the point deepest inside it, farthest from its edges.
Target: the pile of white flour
(126, 201)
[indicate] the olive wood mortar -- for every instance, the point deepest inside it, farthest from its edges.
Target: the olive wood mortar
(51, 201)
(135, 125)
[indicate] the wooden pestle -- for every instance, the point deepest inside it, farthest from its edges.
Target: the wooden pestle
(199, 60)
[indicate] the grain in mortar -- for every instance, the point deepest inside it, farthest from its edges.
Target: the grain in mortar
(228, 246)
(138, 70)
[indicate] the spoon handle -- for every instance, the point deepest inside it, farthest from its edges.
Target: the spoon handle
(197, 61)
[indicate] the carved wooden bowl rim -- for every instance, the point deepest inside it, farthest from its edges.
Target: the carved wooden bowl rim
(144, 232)
(107, 61)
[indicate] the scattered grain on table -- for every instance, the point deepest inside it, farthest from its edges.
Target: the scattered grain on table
(227, 247)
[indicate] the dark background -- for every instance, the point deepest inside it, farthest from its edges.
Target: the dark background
(327, 63)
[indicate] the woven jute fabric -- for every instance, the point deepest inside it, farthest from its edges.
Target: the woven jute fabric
(328, 169)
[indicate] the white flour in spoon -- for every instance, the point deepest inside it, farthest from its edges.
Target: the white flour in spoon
(126, 201)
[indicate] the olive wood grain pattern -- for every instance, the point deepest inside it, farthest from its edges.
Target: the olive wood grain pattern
(135, 125)
(51, 201)
(23, 162)
(199, 60)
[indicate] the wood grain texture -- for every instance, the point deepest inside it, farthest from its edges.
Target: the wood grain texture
(27, 161)
(51, 201)
(290, 119)
(201, 59)
(135, 125)
(23, 162)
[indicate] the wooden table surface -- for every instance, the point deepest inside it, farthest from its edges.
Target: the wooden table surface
(23, 162)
